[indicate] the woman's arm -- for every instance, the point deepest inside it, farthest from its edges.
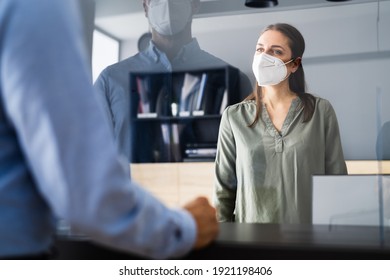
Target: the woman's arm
(225, 171)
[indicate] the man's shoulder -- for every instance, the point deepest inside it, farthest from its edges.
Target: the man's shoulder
(131, 62)
(120, 70)
(210, 56)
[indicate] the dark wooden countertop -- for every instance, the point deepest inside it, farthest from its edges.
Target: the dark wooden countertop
(263, 241)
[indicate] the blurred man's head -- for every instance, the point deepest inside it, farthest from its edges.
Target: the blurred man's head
(170, 17)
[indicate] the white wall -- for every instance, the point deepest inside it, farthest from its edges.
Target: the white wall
(347, 60)
(128, 48)
(87, 8)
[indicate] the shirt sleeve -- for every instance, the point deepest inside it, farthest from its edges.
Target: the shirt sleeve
(68, 147)
(334, 156)
(112, 91)
(100, 87)
(225, 171)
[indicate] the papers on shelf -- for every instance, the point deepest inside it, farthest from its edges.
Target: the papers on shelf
(147, 115)
(181, 94)
(198, 113)
(184, 113)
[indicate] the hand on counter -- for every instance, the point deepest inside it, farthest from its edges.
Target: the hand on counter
(206, 221)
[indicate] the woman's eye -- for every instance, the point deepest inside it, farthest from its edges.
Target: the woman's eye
(278, 52)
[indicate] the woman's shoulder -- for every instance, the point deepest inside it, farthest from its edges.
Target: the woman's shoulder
(323, 106)
(243, 105)
(322, 102)
(244, 110)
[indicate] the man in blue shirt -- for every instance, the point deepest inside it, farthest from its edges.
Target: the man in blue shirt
(172, 48)
(58, 158)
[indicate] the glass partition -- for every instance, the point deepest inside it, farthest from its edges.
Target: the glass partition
(346, 61)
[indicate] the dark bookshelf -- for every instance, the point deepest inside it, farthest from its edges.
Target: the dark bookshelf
(175, 116)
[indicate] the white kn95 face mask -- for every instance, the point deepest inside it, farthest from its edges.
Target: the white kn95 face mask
(269, 70)
(169, 17)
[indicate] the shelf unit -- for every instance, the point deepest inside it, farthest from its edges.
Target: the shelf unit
(175, 116)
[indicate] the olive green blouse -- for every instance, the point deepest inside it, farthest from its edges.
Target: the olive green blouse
(264, 176)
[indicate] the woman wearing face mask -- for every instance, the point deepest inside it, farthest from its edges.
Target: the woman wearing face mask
(271, 143)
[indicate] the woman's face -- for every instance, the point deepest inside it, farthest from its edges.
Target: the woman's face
(274, 43)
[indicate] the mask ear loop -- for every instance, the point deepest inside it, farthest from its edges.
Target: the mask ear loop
(284, 63)
(291, 60)
(288, 62)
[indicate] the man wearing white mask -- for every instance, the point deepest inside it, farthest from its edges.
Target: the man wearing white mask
(172, 48)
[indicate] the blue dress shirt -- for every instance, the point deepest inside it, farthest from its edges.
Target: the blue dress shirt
(57, 155)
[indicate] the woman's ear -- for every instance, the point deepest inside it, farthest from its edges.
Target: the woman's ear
(296, 63)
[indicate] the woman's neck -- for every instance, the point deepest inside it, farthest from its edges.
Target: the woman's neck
(274, 95)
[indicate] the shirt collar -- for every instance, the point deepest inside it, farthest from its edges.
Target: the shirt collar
(190, 48)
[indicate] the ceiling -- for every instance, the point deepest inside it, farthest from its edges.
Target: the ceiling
(125, 19)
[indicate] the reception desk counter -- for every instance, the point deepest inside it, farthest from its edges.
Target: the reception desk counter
(263, 241)
(177, 183)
